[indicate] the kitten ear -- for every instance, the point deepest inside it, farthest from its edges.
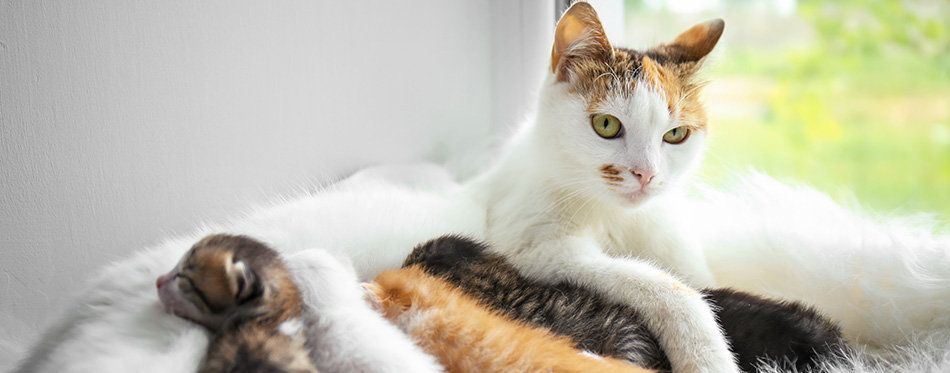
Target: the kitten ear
(694, 44)
(243, 281)
(579, 34)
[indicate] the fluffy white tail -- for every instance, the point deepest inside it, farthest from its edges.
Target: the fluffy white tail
(885, 279)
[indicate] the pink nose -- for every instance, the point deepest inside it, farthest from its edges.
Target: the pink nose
(644, 175)
(163, 279)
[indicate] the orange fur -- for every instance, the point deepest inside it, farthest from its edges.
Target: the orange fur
(467, 337)
(583, 57)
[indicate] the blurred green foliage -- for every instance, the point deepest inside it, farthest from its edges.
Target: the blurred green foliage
(863, 110)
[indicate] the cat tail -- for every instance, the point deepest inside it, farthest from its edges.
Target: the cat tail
(884, 279)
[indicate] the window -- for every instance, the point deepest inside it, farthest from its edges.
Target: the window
(848, 96)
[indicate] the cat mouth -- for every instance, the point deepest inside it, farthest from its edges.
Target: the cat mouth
(637, 197)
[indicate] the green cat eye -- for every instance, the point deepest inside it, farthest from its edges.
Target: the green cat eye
(606, 125)
(676, 135)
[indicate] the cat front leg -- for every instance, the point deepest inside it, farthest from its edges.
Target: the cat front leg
(682, 321)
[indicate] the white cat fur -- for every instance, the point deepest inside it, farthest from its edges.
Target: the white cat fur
(884, 279)
(345, 334)
(117, 323)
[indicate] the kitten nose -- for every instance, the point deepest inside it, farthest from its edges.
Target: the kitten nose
(644, 175)
(162, 280)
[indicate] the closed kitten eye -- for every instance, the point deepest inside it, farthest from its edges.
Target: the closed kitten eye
(676, 135)
(606, 125)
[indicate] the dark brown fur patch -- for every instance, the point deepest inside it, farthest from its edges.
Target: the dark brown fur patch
(252, 348)
(610, 173)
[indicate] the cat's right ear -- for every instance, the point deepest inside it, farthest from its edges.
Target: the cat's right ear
(579, 35)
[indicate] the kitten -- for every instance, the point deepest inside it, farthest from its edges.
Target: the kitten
(253, 349)
(345, 333)
(240, 289)
(242, 292)
(595, 175)
(789, 334)
(469, 338)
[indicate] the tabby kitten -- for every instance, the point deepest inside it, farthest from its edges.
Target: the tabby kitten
(466, 337)
(788, 334)
(242, 292)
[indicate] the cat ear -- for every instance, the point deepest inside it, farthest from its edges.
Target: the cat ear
(242, 280)
(694, 44)
(579, 34)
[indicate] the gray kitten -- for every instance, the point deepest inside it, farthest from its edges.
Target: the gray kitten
(784, 334)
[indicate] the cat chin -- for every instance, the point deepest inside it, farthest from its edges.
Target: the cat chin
(172, 304)
(636, 198)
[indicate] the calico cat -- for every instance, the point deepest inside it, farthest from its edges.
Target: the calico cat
(788, 334)
(594, 176)
(242, 292)
(253, 301)
(469, 338)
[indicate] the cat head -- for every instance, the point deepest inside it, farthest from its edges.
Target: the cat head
(619, 123)
(224, 277)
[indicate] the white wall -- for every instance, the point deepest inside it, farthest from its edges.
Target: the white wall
(122, 122)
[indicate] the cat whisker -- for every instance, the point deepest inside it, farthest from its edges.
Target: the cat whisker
(566, 199)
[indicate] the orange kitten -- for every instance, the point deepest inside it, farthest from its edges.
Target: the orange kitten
(467, 337)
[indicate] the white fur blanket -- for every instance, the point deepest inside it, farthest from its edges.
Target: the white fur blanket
(885, 280)
(117, 325)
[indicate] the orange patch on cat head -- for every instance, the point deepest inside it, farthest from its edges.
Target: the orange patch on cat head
(210, 267)
(681, 93)
(583, 58)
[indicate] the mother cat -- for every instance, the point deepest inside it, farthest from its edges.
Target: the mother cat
(582, 183)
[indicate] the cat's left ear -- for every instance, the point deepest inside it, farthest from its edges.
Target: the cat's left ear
(694, 44)
(578, 35)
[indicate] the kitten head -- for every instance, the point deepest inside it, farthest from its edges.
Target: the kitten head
(393, 293)
(225, 277)
(623, 124)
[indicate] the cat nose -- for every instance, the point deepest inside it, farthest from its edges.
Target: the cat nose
(162, 280)
(644, 175)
